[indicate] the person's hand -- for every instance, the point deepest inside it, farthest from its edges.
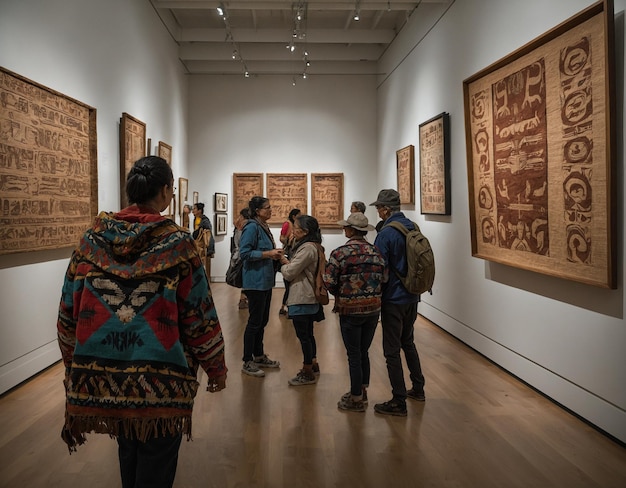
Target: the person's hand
(284, 260)
(274, 254)
(216, 384)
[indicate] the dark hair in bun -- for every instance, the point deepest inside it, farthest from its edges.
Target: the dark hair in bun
(146, 178)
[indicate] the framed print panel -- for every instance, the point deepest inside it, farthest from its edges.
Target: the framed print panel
(405, 163)
(48, 167)
(540, 151)
(132, 148)
(220, 202)
(327, 198)
(220, 223)
(183, 189)
(286, 191)
(434, 150)
(165, 152)
(246, 186)
(196, 197)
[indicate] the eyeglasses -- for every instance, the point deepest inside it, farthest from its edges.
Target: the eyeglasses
(266, 208)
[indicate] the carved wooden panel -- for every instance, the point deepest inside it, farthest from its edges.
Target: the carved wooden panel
(286, 191)
(327, 198)
(132, 148)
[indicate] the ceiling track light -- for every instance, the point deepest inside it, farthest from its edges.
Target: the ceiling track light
(357, 10)
(221, 10)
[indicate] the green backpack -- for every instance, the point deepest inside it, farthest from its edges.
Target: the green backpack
(420, 259)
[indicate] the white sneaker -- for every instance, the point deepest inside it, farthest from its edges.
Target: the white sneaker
(250, 368)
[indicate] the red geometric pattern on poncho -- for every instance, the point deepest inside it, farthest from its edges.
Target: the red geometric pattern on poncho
(92, 317)
(165, 328)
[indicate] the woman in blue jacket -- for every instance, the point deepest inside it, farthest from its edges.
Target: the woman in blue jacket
(258, 252)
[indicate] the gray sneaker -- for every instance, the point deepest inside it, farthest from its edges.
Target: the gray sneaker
(302, 378)
(265, 362)
(250, 368)
(347, 403)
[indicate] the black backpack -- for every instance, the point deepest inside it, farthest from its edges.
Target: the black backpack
(420, 259)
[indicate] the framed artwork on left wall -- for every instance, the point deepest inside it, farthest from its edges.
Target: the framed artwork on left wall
(221, 220)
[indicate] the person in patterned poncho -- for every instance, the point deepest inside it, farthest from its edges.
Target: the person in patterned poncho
(136, 321)
(354, 275)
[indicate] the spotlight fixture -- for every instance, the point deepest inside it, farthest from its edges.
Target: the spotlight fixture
(356, 16)
(357, 10)
(235, 54)
(221, 11)
(293, 81)
(304, 75)
(247, 74)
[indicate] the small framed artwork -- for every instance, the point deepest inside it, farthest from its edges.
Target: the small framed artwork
(165, 152)
(196, 197)
(327, 198)
(220, 223)
(434, 152)
(132, 148)
(221, 202)
(405, 162)
(183, 185)
(541, 145)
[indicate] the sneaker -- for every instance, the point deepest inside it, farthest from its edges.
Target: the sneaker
(302, 379)
(250, 368)
(392, 407)
(316, 369)
(265, 362)
(347, 403)
(348, 395)
(415, 395)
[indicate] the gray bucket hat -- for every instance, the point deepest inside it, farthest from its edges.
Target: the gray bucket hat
(357, 221)
(387, 198)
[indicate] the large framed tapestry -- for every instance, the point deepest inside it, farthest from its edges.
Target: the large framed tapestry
(132, 148)
(245, 186)
(405, 167)
(540, 151)
(434, 150)
(183, 193)
(286, 191)
(327, 198)
(48, 167)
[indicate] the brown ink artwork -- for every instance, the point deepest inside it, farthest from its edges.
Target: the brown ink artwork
(327, 198)
(246, 186)
(132, 148)
(286, 191)
(434, 151)
(405, 164)
(540, 153)
(48, 167)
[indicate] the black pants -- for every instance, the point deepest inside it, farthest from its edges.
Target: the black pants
(150, 464)
(398, 335)
(259, 313)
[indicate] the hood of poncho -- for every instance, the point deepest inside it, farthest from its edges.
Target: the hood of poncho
(132, 243)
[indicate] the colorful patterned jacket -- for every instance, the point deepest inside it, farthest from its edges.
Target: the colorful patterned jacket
(136, 320)
(354, 275)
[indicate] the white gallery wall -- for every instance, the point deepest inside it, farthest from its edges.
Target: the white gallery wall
(115, 56)
(565, 339)
(266, 125)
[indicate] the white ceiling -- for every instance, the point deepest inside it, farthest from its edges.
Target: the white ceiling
(254, 35)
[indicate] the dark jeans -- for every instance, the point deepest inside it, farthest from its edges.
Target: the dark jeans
(150, 464)
(398, 329)
(259, 313)
(304, 331)
(286, 294)
(358, 332)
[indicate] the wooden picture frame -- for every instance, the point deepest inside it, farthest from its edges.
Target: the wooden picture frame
(541, 150)
(221, 223)
(183, 194)
(327, 199)
(132, 148)
(434, 152)
(165, 152)
(220, 202)
(245, 186)
(405, 165)
(196, 197)
(48, 167)
(285, 192)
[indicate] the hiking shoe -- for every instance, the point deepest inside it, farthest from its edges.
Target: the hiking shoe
(347, 403)
(316, 369)
(265, 362)
(302, 378)
(416, 395)
(392, 407)
(250, 368)
(348, 395)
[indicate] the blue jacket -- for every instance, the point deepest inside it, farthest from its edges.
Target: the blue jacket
(391, 244)
(258, 273)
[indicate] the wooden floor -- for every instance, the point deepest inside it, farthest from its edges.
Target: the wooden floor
(479, 427)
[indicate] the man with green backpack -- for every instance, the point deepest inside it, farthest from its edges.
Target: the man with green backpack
(399, 305)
